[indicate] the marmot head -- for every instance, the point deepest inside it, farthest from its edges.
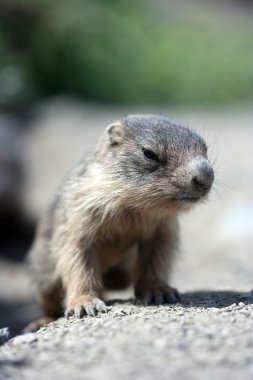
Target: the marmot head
(158, 161)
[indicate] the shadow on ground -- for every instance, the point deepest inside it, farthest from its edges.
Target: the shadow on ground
(219, 298)
(17, 310)
(204, 298)
(16, 315)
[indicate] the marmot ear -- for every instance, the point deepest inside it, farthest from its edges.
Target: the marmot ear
(116, 133)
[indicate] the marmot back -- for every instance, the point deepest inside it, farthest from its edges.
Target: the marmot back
(114, 221)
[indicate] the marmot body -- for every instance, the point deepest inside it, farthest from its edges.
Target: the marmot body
(114, 221)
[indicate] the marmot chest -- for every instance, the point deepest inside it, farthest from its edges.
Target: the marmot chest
(117, 240)
(115, 247)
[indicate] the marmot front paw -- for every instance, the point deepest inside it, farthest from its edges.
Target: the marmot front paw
(85, 305)
(157, 295)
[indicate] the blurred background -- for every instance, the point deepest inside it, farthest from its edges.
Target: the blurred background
(135, 52)
(68, 68)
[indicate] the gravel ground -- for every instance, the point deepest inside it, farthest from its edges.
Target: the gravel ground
(193, 341)
(209, 335)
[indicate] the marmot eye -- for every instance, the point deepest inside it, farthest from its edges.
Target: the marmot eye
(150, 155)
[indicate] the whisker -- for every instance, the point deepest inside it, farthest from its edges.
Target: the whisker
(223, 184)
(219, 197)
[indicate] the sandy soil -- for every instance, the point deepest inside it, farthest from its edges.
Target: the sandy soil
(210, 334)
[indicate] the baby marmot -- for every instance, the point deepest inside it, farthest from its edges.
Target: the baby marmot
(114, 220)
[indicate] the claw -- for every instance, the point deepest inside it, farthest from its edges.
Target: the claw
(79, 312)
(172, 296)
(90, 311)
(159, 299)
(147, 300)
(101, 307)
(68, 313)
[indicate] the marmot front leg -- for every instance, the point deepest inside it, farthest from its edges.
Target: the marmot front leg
(153, 266)
(82, 281)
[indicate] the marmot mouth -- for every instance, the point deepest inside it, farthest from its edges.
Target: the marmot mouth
(193, 198)
(190, 199)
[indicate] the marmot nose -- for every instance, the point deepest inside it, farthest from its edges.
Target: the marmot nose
(203, 176)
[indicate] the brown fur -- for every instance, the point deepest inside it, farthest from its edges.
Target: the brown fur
(116, 215)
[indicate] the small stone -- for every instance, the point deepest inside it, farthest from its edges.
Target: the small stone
(4, 335)
(213, 309)
(26, 338)
(229, 308)
(119, 313)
